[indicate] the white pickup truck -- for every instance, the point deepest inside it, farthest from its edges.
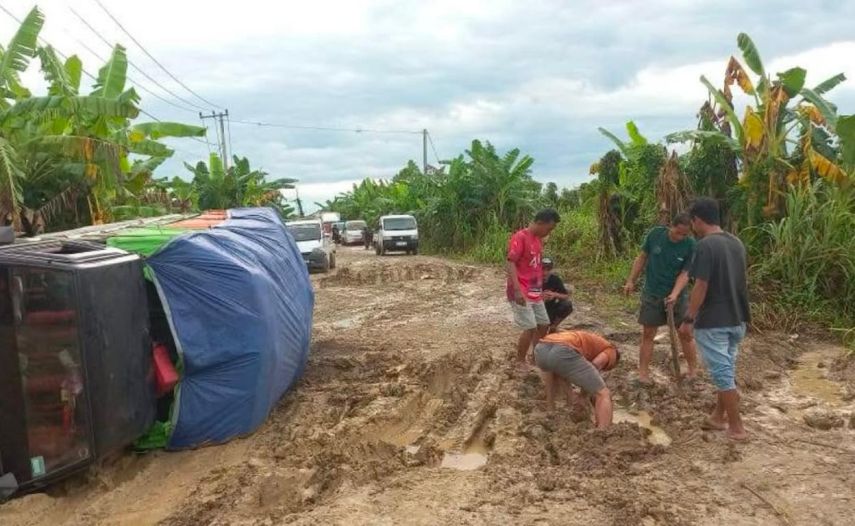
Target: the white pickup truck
(317, 249)
(397, 233)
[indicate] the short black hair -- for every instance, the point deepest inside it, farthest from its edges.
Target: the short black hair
(706, 209)
(547, 215)
(683, 218)
(547, 262)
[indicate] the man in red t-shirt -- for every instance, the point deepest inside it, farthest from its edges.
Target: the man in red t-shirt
(525, 280)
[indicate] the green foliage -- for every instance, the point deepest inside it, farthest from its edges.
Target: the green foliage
(214, 187)
(807, 258)
(467, 206)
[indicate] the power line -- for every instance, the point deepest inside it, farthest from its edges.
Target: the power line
(132, 80)
(149, 55)
(143, 73)
(229, 132)
(91, 76)
(324, 128)
(432, 147)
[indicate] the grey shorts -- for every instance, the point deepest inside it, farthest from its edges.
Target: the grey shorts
(530, 315)
(568, 364)
(652, 312)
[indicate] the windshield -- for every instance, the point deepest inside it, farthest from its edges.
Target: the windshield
(307, 232)
(354, 225)
(399, 223)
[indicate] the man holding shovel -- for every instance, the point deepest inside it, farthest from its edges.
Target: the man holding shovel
(665, 258)
(718, 311)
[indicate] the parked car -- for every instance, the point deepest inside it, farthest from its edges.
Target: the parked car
(317, 249)
(397, 233)
(328, 219)
(353, 232)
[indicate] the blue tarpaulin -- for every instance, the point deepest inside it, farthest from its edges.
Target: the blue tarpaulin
(239, 303)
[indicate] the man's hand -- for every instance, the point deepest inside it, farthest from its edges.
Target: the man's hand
(671, 299)
(549, 295)
(628, 288)
(519, 298)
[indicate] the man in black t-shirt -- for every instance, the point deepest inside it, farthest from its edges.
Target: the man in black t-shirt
(718, 311)
(556, 297)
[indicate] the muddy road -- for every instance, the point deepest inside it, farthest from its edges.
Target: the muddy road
(410, 413)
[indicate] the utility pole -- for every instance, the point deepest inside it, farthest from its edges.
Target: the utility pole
(299, 202)
(424, 151)
(221, 136)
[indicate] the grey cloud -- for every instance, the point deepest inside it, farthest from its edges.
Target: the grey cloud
(402, 68)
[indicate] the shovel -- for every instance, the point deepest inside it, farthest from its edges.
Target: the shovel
(675, 346)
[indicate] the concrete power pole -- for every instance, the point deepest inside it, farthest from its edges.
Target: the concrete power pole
(424, 150)
(299, 202)
(221, 137)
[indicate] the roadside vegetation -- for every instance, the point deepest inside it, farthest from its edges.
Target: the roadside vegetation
(76, 156)
(783, 174)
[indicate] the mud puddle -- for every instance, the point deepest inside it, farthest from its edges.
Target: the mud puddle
(463, 461)
(809, 378)
(643, 419)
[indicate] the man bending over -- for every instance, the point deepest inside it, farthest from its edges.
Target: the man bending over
(577, 357)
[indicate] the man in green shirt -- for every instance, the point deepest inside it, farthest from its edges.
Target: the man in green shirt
(666, 257)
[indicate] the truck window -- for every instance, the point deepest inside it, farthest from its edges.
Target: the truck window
(41, 317)
(399, 223)
(306, 232)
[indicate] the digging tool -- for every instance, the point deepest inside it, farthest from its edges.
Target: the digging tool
(675, 350)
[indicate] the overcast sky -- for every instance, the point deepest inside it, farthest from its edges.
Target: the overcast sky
(538, 75)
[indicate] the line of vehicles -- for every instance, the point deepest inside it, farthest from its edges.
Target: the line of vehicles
(318, 237)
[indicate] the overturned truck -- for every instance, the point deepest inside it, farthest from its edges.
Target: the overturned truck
(173, 332)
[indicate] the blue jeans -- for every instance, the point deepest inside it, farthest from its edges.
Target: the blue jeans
(719, 347)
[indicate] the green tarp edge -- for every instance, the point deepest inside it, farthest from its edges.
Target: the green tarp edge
(144, 241)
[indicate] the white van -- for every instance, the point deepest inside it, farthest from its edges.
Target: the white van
(352, 232)
(397, 233)
(317, 249)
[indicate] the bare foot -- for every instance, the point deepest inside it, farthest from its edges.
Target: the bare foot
(738, 436)
(713, 425)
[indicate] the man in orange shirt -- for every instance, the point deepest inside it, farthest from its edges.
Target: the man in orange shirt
(577, 357)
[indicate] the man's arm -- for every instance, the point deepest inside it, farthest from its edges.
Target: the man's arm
(679, 285)
(637, 266)
(699, 293)
(558, 291)
(511, 268)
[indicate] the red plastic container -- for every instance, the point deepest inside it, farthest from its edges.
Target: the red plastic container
(165, 374)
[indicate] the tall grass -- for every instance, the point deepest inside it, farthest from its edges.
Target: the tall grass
(806, 260)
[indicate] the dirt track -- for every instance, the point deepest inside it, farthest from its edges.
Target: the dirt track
(409, 372)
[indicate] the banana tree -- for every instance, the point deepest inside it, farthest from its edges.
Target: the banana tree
(780, 138)
(65, 144)
(240, 185)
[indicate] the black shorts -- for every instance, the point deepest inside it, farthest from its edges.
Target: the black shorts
(558, 310)
(652, 312)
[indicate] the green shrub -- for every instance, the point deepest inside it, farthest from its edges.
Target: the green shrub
(806, 260)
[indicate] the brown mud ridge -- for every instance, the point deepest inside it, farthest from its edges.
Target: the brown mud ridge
(409, 413)
(396, 271)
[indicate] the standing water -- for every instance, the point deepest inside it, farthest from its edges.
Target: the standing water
(642, 419)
